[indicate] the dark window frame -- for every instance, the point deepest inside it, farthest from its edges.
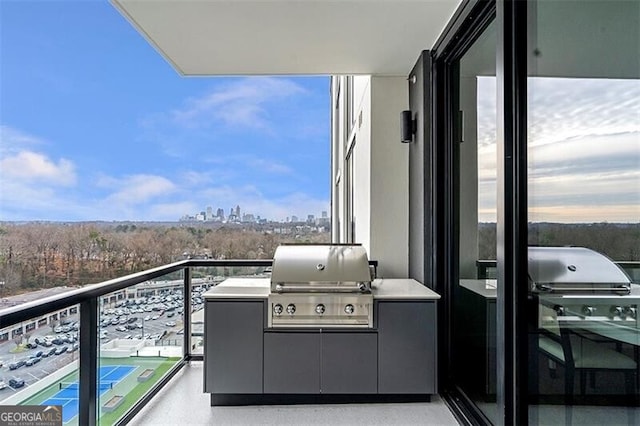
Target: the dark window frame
(472, 17)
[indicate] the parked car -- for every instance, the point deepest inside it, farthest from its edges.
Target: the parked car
(3, 385)
(39, 354)
(16, 365)
(32, 361)
(170, 323)
(16, 383)
(52, 351)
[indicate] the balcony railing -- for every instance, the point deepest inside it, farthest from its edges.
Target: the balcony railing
(87, 386)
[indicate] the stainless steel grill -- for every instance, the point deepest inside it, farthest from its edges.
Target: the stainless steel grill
(320, 285)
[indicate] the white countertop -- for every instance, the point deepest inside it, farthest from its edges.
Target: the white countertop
(383, 289)
(401, 288)
(240, 288)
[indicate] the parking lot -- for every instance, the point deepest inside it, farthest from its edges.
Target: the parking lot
(156, 318)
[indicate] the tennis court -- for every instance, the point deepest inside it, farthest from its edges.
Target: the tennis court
(67, 396)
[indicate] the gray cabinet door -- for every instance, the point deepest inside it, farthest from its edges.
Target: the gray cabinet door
(291, 362)
(349, 363)
(233, 346)
(407, 347)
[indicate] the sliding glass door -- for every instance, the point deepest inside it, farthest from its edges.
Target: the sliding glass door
(583, 155)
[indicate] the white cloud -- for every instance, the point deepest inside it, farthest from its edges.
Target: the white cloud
(137, 189)
(32, 166)
(20, 163)
(13, 140)
(270, 166)
(583, 149)
(240, 103)
(196, 178)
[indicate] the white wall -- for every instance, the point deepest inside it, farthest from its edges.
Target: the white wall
(362, 163)
(380, 169)
(389, 169)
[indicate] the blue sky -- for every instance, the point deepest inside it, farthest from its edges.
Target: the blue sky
(96, 125)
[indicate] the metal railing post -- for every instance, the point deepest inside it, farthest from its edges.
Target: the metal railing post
(186, 314)
(88, 382)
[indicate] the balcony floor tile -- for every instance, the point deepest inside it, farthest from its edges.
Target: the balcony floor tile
(183, 402)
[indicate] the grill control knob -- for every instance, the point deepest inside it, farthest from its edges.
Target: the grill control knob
(291, 309)
(349, 309)
(587, 311)
(630, 311)
(320, 309)
(277, 309)
(615, 311)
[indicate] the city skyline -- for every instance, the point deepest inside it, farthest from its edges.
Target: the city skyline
(237, 215)
(96, 126)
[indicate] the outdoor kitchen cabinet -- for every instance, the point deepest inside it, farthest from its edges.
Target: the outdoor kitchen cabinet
(248, 361)
(322, 361)
(233, 346)
(291, 362)
(407, 347)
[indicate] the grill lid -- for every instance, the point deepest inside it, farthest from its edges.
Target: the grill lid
(574, 269)
(320, 267)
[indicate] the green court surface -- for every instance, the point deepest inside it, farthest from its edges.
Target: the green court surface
(128, 386)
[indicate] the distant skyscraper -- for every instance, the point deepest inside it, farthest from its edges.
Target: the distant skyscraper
(294, 218)
(220, 213)
(324, 214)
(238, 212)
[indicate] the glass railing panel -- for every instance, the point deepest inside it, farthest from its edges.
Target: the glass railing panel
(204, 278)
(138, 342)
(39, 362)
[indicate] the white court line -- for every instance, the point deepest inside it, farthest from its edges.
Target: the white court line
(109, 372)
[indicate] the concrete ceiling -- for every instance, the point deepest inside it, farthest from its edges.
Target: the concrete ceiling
(275, 37)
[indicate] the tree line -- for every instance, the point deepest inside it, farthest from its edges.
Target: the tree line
(618, 241)
(41, 255)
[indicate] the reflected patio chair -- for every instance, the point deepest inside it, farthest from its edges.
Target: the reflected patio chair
(563, 345)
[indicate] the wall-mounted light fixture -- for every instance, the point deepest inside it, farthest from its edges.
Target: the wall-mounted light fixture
(408, 127)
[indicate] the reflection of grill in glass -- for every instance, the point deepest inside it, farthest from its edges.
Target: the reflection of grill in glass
(320, 285)
(585, 289)
(575, 270)
(586, 303)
